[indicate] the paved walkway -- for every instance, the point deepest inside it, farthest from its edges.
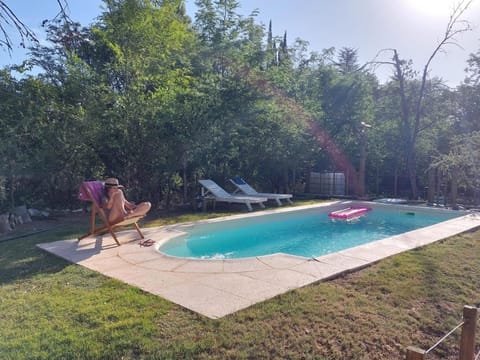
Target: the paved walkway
(216, 288)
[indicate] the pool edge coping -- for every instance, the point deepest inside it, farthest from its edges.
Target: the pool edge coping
(217, 288)
(174, 227)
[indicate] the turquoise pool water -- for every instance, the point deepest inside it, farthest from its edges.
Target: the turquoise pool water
(307, 233)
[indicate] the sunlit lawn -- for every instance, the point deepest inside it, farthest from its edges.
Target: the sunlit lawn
(52, 309)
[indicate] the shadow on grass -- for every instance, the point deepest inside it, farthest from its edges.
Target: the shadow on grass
(20, 258)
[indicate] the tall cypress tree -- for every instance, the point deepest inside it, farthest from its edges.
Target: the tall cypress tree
(283, 51)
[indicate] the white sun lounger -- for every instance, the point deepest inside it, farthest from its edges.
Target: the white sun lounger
(215, 192)
(248, 190)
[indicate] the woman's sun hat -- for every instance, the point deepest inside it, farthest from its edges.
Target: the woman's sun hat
(113, 182)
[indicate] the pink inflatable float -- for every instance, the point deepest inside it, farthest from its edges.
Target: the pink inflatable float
(349, 213)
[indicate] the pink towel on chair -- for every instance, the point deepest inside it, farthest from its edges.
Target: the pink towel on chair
(96, 189)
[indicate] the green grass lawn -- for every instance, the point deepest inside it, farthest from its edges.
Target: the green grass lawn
(52, 309)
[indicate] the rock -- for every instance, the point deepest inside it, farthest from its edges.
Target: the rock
(4, 224)
(22, 212)
(38, 213)
(11, 220)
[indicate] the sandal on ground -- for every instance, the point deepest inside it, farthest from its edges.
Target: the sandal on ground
(146, 242)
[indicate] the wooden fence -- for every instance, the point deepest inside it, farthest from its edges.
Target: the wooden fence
(467, 339)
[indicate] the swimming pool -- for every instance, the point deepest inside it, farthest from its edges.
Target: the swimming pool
(307, 233)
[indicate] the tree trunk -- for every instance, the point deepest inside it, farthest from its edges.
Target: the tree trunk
(453, 191)
(431, 187)
(363, 160)
(184, 166)
(308, 174)
(395, 183)
(412, 172)
(294, 179)
(12, 187)
(409, 134)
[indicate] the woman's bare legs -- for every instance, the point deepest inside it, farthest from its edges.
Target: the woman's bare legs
(117, 211)
(139, 210)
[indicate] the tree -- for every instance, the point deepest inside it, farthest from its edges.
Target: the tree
(9, 18)
(148, 67)
(462, 164)
(411, 104)
(468, 98)
(347, 60)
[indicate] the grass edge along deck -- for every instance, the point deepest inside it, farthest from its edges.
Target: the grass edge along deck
(216, 288)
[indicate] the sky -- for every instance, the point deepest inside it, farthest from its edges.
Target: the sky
(413, 27)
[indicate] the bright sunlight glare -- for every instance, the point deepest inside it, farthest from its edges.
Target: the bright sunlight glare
(433, 8)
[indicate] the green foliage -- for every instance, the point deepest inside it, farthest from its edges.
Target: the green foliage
(159, 101)
(462, 161)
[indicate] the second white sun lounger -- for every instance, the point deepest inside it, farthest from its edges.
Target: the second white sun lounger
(214, 191)
(248, 190)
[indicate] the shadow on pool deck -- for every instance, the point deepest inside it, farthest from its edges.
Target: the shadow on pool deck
(216, 288)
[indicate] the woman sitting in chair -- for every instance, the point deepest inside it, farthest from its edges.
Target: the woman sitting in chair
(119, 207)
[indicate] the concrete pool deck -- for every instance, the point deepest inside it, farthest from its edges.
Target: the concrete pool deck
(216, 288)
